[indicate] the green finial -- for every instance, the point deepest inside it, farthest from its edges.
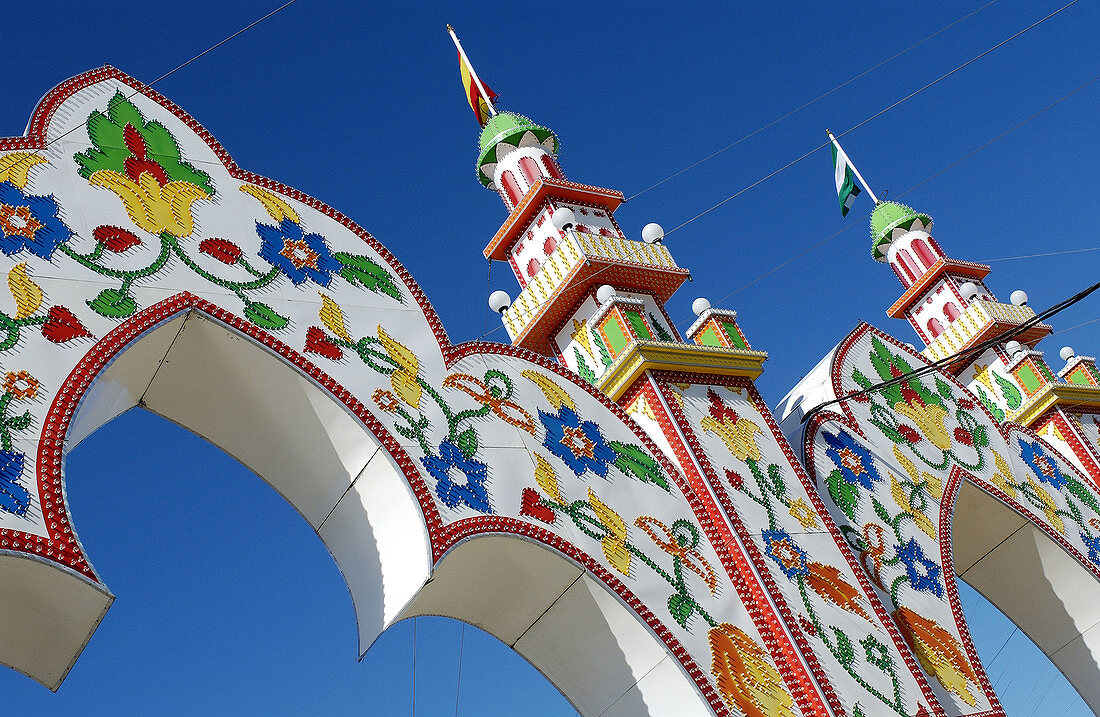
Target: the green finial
(513, 130)
(887, 217)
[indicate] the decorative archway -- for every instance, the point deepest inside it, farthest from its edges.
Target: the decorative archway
(321, 366)
(926, 485)
(673, 554)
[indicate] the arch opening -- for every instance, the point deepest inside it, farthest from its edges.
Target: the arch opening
(1033, 581)
(564, 622)
(226, 388)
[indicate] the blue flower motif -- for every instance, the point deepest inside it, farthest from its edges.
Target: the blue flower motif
(1093, 544)
(29, 222)
(300, 256)
(471, 490)
(579, 444)
(780, 547)
(1043, 466)
(923, 574)
(14, 498)
(853, 460)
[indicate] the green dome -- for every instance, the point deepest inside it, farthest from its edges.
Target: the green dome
(513, 130)
(887, 217)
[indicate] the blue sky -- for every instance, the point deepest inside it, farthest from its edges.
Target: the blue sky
(362, 108)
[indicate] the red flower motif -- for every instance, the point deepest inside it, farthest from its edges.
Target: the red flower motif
(735, 479)
(531, 504)
(139, 163)
(115, 239)
(719, 410)
(909, 434)
(966, 404)
(61, 326)
(223, 250)
(964, 436)
(318, 343)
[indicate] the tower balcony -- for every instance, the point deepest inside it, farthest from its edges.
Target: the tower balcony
(983, 320)
(580, 261)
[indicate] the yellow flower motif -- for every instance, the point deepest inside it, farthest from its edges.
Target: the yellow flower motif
(746, 679)
(403, 379)
(333, 317)
(1049, 506)
(153, 207)
(14, 167)
(554, 393)
(803, 513)
(939, 653)
(934, 483)
(614, 543)
(739, 436)
(899, 491)
(929, 419)
(276, 208)
(547, 479)
(1002, 477)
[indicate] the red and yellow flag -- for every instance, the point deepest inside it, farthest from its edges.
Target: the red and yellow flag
(473, 93)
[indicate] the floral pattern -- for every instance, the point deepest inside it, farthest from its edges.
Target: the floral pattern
(29, 222)
(302, 257)
(579, 443)
(470, 489)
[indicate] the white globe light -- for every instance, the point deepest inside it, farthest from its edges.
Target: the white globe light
(652, 233)
(1019, 297)
(969, 290)
(1013, 347)
(563, 218)
(604, 293)
(699, 306)
(1066, 353)
(499, 301)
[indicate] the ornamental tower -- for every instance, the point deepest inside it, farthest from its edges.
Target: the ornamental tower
(590, 297)
(949, 306)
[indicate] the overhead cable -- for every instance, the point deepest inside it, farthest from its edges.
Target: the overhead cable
(798, 109)
(881, 112)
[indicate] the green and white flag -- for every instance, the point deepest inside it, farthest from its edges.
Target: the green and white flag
(846, 188)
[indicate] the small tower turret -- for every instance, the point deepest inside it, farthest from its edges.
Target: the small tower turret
(945, 299)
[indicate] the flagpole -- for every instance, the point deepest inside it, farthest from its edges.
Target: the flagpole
(850, 164)
(477, 80)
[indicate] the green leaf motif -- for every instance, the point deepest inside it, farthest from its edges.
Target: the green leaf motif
(583, 368)
(113, 304)
(264, 316)
(880, 511)
(20, 422)
(1012, 396)
(775, 473)
(467, 442)
(993, 408)
(843, 493)
(944, 389)
(361, 272)
(680, 608)
(107, 133)
(662, 332)
(1082, 493)
(845, 653)
(632, 460)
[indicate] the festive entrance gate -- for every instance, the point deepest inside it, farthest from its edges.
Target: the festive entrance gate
(654, 546)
